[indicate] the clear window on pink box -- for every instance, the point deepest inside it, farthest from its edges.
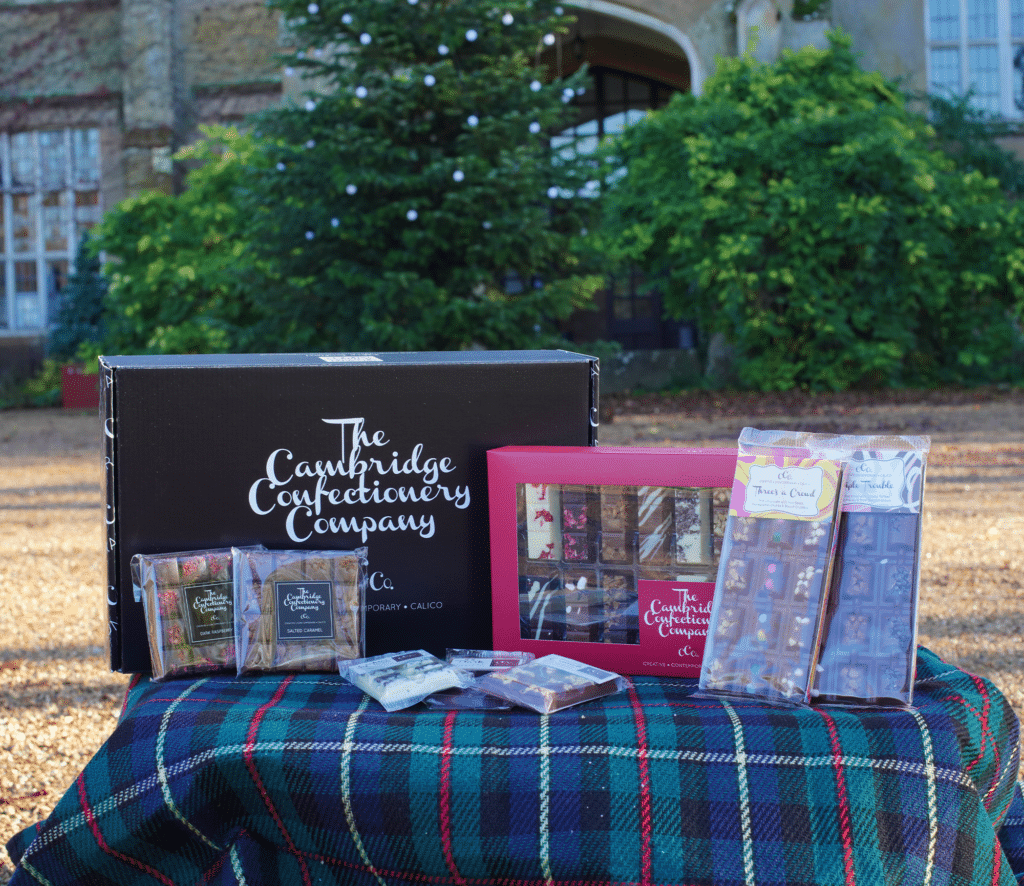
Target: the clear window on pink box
(612, 549)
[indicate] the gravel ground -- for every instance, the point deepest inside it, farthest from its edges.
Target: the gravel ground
(59, 701)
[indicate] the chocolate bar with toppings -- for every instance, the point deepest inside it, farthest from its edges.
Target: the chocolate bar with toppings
(299, 610)
(188, 599)
(768, 607)
(868, 646)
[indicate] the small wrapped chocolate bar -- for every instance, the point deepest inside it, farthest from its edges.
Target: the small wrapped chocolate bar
(551, 683)
(401, 679)
(298, 610)
(773, 578)
(188, 599)
(476, 663)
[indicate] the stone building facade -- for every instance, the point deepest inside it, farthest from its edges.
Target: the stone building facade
(96, 95)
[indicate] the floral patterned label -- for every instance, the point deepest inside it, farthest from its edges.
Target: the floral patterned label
(791, 488)
(305, 610)
(211, 612)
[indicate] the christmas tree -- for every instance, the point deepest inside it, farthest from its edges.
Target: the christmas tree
(410, 198)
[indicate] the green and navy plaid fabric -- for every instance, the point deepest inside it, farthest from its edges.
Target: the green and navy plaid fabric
(302, 779)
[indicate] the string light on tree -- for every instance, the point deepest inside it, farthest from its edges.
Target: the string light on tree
(458, 175)
(471, 35)
(412, 215)
(350, 189)
(507, 19)
(430, 80)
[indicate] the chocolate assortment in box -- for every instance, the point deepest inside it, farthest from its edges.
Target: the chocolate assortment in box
(612, 550)
(774, 574)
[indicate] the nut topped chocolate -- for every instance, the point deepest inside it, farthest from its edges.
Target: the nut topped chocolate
(773, 578)
(868, 652)
(867, 647)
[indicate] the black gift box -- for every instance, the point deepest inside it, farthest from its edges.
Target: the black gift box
(331, 451)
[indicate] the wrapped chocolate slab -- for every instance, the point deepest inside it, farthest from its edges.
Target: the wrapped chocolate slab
(868, 650)
(298, 610)
(474, 664)
(188, 599)
(399, 680)
(551, 683)
(773, 578)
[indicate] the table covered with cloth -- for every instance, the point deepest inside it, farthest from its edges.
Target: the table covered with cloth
(303, 779)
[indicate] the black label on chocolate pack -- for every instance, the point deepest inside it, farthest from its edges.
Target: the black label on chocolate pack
(305, 610)
(211, 612)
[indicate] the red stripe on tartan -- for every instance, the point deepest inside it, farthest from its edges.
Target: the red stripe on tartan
(250, 745)
(645, 787)
(90, 818)
(845, 831)
(986, 733)
(445, 797)
(135, 680)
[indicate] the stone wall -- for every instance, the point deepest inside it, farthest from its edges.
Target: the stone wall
(66, 49)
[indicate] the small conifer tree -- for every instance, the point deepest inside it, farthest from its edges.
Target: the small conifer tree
(80, 317)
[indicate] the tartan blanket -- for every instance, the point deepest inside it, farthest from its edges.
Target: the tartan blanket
(303, 779)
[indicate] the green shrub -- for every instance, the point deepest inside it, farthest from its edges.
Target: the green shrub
(804, 212)
(181, 269)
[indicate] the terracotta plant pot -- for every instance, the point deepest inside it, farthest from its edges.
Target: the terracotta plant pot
(79, 389)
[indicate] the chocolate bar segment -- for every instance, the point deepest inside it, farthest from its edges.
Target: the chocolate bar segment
(579, 536)
(654, 524)
(544, 540)
(767, 612)
(299, 610)
(867, 649)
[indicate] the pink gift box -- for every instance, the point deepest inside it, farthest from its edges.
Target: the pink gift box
(607, 555)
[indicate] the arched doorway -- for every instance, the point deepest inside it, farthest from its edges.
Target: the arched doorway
(634, 67)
